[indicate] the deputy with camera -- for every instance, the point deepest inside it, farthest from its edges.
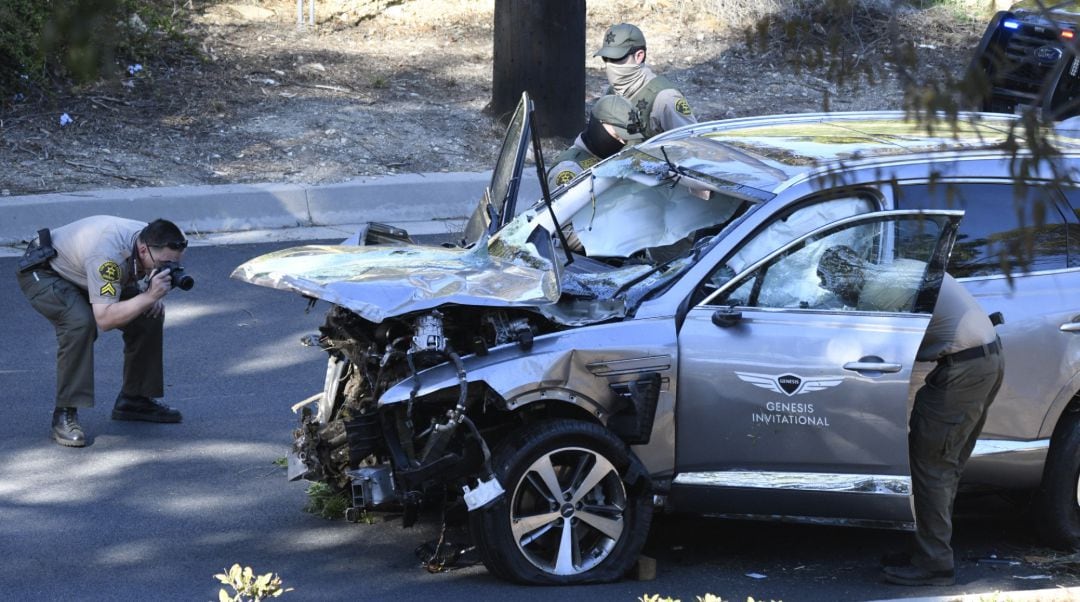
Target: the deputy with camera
(109, 273)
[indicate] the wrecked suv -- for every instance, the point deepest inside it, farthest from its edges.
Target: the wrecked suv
(657, 338)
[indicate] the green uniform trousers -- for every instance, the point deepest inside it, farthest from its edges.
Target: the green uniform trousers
(68, 308)
(948, 415)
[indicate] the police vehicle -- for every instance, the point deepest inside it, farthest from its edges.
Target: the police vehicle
(1029, 56)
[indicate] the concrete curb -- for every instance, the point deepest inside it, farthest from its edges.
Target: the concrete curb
(420, 203)
(1060, 594)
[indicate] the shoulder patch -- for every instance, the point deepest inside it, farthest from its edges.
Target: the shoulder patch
(563, 177)
(682, 106)
(110, 272)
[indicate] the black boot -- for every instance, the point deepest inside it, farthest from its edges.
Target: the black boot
(65, 428)
(143, 408)
(915, 575)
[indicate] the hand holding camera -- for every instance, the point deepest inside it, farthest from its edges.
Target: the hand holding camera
(177, 277)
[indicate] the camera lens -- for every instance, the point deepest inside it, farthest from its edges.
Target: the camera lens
(177, 277)
(183, 282)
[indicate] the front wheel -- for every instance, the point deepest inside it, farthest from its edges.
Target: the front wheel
(577, 506)
(1058, 501)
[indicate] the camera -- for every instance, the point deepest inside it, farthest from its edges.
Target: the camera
(177, 277)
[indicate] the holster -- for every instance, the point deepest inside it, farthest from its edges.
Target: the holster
(38, 253)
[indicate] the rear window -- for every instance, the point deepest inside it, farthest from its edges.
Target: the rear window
(1073, 227)
(1005, 230)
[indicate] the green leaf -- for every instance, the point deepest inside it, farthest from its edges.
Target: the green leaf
(235, 573)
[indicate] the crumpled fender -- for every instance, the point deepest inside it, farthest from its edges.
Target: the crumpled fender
(583, 366)
(577, 366)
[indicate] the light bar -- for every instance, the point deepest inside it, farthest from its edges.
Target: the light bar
(1010, 24)
(1067, 34)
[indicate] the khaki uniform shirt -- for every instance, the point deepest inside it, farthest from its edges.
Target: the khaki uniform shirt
(571, 162)
(665, 105)
(670, 110)
(958, 323)
(95, 253)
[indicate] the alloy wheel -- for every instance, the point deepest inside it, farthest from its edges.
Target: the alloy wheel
(567, 511)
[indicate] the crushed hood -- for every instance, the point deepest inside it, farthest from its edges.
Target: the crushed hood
(381, 282)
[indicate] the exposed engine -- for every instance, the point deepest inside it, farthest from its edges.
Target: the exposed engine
(348, 441)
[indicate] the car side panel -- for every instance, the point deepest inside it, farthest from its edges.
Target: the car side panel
(1041, 360)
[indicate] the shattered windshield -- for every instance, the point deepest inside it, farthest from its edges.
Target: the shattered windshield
(637, 209)
(631, 226)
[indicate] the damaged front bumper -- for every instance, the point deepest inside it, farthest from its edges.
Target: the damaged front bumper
(390, 457)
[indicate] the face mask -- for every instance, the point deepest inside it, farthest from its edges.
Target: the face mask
(625, 79)
(599, 141)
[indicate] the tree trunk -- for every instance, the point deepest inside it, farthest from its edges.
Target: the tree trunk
(540, 48)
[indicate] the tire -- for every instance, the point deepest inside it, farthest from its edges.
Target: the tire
(1058, 502)
(592, 533)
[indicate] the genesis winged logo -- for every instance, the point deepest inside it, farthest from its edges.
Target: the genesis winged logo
(789, 384)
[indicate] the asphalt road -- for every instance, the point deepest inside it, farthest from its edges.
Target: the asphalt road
(150, 511)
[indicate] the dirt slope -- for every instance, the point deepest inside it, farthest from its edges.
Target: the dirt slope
(401, 92)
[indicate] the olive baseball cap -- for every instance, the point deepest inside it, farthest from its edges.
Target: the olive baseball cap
(616, 111)
(619, 40)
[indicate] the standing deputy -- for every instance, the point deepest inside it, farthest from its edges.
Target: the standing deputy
(661, 105)
(949, 410)
(948, 415)
(90, 281)
(613, 123)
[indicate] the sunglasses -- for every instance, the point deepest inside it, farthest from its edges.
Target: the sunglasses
(176, 245)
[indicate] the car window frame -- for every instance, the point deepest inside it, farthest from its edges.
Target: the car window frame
(879, 198)
(1072, 217)
(1057, 202)
(925, 298)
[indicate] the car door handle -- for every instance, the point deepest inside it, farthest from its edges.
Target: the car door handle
(872, 367)
(1070, 327)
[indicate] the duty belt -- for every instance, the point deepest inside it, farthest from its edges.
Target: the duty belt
(971, 353)
(38, 253)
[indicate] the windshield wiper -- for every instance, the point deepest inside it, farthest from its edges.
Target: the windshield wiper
(542, 176)
(674, 173)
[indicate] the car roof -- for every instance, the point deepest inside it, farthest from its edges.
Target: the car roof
(1062, 11)
(766, 153)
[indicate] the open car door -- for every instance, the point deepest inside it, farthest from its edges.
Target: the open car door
(793, 399)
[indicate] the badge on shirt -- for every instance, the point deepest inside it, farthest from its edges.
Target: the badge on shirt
(564, 177)
(682, 106)
(110, 273)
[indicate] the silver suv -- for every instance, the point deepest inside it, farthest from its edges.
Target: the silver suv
(657, 337)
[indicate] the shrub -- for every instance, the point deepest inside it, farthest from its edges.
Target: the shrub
(79, 41)
(21, 23)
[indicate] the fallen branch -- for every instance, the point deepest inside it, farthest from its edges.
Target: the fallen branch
(102, 105)
(334, 88)
(319, 86)
(101, 100)
(103, 171)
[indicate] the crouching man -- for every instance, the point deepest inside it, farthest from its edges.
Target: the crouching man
(104, 272)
